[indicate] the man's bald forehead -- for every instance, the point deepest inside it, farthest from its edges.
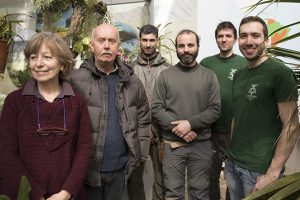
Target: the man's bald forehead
(106, 26)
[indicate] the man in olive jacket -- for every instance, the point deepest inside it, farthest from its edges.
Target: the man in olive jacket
(119, 113)
(147, 67)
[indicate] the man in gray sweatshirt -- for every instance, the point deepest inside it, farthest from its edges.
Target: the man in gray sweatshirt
(186, 101)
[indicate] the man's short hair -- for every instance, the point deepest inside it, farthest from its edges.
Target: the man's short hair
(187, 31)
(226, 25)
(249, 19)
(148, 29)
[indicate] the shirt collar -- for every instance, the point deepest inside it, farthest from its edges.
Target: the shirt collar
(115, 70)
(30, 88)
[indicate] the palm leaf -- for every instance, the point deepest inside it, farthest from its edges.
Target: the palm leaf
(287, 191)
(269, 3)
(288, 53)
(286, 26)
(169, 23)
(287, 38)
(274, 187)
(260, 2)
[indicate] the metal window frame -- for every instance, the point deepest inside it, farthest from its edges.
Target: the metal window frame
(116, 2)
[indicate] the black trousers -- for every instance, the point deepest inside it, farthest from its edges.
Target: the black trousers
(220, 142)
(112, 186)
(135, 184)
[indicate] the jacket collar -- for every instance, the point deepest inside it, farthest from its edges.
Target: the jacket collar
(124, 71)
(157, 60)
(30, 88)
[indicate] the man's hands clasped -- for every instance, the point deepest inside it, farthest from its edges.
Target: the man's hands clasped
(183, 130)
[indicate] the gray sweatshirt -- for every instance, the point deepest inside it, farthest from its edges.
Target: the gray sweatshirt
(191, 94)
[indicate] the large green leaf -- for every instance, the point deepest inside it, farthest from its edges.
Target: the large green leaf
(287, 191)
(274, 187)
(24, 190)
(288, 53)
(286, 26)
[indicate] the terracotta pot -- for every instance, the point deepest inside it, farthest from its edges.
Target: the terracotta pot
(3, 55)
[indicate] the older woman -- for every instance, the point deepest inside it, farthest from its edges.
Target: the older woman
(44, 131)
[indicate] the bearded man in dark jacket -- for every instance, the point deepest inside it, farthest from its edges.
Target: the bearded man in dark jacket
(147, 67)
(119, 112)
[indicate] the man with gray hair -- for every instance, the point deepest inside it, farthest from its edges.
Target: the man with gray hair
(119, 112)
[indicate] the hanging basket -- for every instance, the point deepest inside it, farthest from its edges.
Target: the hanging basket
(3, 55)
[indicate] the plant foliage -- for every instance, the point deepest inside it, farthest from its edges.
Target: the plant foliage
(276, 51)
(6, 28)
(24, 190)
(287, 187)
(86, 14)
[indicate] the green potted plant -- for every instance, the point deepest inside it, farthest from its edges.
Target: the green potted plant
(6, 37)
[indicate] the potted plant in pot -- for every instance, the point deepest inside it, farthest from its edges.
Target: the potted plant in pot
(6, 37)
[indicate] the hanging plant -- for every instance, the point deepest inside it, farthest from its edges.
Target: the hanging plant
(52, 5)
(6, 37)
(85, 15)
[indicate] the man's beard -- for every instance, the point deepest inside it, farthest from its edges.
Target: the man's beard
(149, 53)
(187, 58)
(260, 51)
